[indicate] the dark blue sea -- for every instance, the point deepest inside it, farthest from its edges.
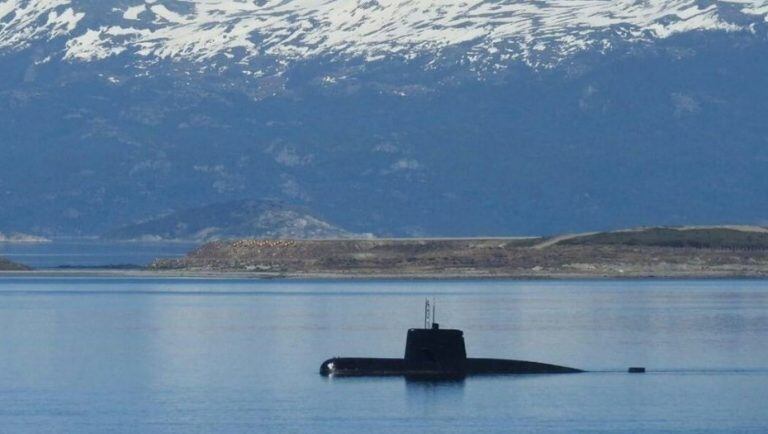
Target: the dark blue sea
(95, 355)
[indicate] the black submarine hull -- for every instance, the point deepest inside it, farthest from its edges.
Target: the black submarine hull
(377, 367)
(435, 353)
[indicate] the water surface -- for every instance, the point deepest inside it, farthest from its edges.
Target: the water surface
(186, 355)
(92, 253)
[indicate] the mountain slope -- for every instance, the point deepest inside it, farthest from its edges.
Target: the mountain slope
(251, 219)
(480, 118)
(723, 237)
(6, 265)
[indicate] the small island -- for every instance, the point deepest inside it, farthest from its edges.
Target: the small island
(659, 252)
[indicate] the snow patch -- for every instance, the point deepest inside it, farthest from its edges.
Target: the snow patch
(133, 12)
(525, 30)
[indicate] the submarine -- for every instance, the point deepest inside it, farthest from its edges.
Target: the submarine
(432, 352)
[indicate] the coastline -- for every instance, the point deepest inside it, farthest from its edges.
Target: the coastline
(257, 276)
(650, 253)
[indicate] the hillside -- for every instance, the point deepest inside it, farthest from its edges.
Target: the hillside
(6, 265)
(417, 118)
(734, 238)
(238, 219)
(652, 252)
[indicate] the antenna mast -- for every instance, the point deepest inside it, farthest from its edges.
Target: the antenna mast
(429, 313)
(434, 316)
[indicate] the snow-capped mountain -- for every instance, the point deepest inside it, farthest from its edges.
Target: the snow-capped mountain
(403, 117)
(540, 33)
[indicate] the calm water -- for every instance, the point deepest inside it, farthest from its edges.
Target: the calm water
(119, 355)
(91, 253)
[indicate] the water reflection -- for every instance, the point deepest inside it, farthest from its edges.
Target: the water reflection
(427, 395)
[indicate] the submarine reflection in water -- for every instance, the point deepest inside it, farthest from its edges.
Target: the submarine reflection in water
(435, 353)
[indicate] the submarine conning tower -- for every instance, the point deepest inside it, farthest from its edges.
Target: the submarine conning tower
(436, 346)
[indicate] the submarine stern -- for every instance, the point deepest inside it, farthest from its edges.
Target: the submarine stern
(519, 367)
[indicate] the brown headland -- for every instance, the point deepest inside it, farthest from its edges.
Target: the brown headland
(679, 252)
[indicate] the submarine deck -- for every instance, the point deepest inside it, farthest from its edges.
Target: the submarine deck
(371, 367)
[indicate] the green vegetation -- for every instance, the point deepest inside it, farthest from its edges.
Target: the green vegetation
(697, 238)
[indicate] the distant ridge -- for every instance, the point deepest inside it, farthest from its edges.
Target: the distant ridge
(6, 265)
(236, 219)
